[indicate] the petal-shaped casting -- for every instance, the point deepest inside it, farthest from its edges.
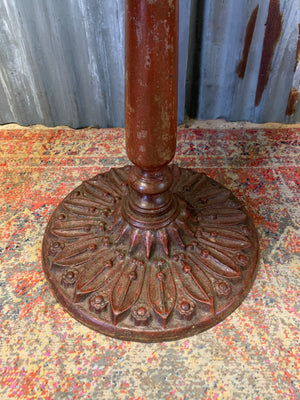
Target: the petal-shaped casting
(223, 216)
(227, 238)
(99, 193)
(148, 238)
(161, 291)
(194, 281)
(216, 262)
(72, 228)
(164, 240)
(78, 252)
(97, 272)
(127, 289)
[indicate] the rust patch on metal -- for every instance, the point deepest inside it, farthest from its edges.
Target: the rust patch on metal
(272, 35)
(298, 50)
(292, 102)
(241, 68)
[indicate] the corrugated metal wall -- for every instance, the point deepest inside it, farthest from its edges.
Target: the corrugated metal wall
(62, 61)
(248, 60)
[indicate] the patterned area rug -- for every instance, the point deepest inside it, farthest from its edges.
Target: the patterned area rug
(45, 354)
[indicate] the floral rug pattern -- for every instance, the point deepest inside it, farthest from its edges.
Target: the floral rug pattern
(45, 354)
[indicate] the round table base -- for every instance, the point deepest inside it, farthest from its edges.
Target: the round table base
(150, 285)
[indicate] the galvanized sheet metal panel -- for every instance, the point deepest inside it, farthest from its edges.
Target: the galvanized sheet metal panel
(62, 62)
(263, 92)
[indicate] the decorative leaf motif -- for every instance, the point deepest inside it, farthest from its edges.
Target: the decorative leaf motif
(71, 228)
(216, 262)
(224, 238)
(122, 231)
(213, 197)
(127, 288)
(183, 225)
(107, 184)
(133, 238)
(77, 252)
(176, 178)
(97, 272)
(209, 229)
(99, 193)
(148, 242)
(161, 291)
(119, 178)
(199, 182)
(69, 233)
(192, 182)
(164, 240)
(195, 281)
(174, 232)
(103, 183)
(87, 202)
(223, 216)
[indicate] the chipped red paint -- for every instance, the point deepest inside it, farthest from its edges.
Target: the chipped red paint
(241, 68)
(151, 97)
(292, 101)
(150, 252)
(272, 35)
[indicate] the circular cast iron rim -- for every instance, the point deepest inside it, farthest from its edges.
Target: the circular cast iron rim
(151, 336)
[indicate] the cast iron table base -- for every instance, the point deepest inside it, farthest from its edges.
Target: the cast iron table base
(162, 283)
(150, 252)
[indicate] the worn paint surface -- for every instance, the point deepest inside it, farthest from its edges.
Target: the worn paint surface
(151, 82)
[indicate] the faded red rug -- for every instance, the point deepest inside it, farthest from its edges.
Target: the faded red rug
(45, 354)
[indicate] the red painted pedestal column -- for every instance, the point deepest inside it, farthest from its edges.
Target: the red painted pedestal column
(150, 252)
(151, 76)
